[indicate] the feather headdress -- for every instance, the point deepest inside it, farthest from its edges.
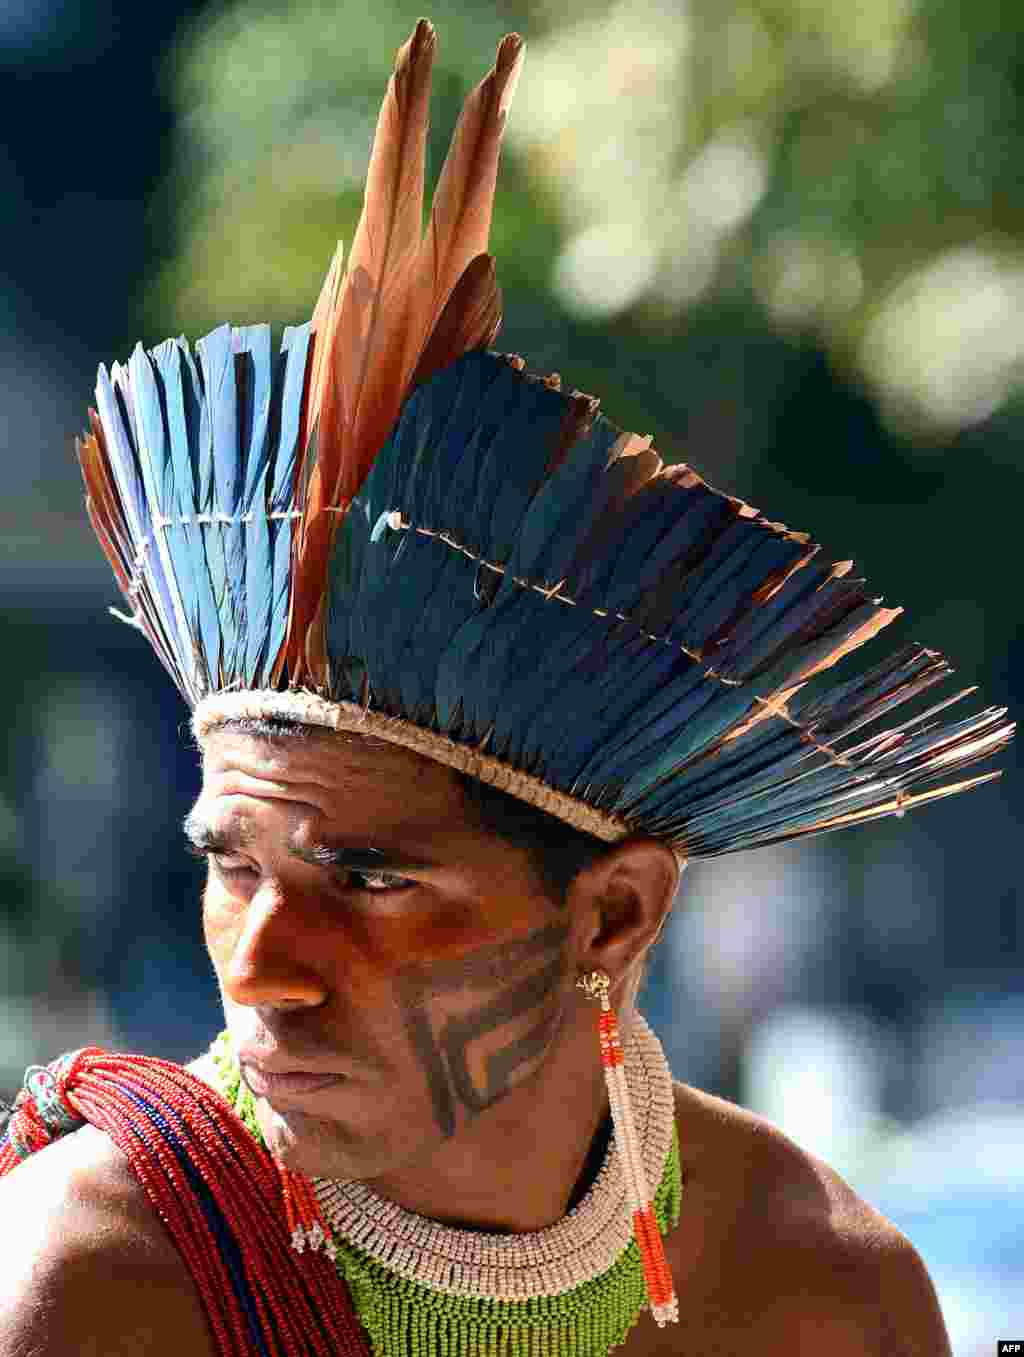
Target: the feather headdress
(386, 527)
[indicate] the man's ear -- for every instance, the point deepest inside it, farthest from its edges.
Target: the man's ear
(619, 903)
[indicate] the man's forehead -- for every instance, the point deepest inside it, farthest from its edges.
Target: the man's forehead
(333, 775)
(207, 826)
(323, 754)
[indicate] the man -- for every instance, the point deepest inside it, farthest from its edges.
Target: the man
(472, 675)
(772, 1252)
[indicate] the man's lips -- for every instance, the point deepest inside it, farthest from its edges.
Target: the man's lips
(270, 1073)
(267, 1083)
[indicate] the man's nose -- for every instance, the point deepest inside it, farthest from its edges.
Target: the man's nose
(272, 960)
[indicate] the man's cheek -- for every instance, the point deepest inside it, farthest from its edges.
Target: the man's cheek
(479, 1025)
(222, 925)
(491, 1047)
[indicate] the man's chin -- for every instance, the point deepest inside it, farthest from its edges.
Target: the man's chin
(318, 1148)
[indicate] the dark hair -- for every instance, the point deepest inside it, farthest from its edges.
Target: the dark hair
(556, 850)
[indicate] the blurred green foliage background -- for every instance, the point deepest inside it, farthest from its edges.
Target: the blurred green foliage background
(783, 237)
(851, 172)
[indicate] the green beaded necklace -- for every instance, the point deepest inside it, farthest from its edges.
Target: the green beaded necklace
(459, 1313)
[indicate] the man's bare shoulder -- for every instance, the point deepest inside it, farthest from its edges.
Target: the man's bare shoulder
(774, 1243)
(86, 1265)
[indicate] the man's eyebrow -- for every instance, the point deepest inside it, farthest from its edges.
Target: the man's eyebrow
(325, 853)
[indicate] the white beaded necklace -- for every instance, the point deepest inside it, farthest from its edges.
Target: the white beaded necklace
(581, 1246)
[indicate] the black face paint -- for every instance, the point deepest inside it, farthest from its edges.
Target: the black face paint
(444, 1056)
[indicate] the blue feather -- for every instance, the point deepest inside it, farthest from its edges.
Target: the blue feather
(182, 537)
(284, 428)
(225, 540)
(157, 478)
(190, 481)
(124, 462)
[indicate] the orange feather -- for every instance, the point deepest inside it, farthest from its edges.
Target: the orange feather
(104, 504)
(470, 320)
(405, 306)
(460, 216)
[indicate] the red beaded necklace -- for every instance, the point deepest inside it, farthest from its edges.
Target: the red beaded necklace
(231, 1209)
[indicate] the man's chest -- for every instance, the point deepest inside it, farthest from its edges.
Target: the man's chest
(718, 1269)
(717, 1330)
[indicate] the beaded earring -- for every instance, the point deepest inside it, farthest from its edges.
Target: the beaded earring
(660, 1289)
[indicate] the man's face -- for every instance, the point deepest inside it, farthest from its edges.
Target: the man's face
(423, 963)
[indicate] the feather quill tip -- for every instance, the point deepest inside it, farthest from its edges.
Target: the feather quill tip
(508, 66)
(423, 35)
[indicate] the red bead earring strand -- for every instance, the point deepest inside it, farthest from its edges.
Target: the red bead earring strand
(660, 1289)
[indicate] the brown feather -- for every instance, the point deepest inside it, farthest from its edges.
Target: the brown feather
(103, 502)
(460, 216)
(470, 320)
(374, 300)
(363, 333)
(103, 505)
(374, 324)
(579, 416)
(322, 326)
(110, 549)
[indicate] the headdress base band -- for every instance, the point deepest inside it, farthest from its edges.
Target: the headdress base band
(312, 710)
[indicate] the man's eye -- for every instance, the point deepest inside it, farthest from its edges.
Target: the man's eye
(228, 868)
(376, 883)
